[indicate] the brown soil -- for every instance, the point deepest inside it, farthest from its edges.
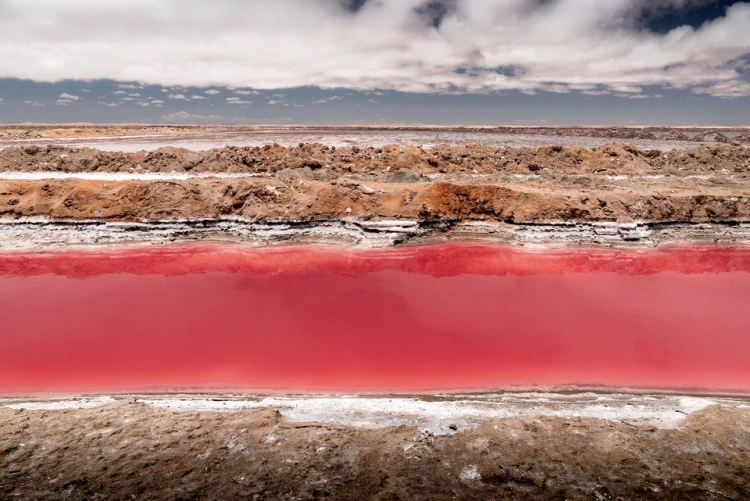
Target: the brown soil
(275, 200)
(130, 451)
(613, 159)
(314, 182)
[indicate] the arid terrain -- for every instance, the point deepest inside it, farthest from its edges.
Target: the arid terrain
(440, 190)
(99, 187)
(696, 133)
(134, 138)
(128, 450)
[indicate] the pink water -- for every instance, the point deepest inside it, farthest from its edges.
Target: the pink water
(431, 318)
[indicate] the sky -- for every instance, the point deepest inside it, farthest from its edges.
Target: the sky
(527, 62)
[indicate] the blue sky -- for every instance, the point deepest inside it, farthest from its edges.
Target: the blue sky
(678, 62)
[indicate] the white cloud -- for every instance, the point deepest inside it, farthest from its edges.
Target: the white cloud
(111, 105)
(85, 90)
(480, 46)
(176, 96)
(34, 103)
(198, 97)
(626, 88)
(730, 88)
(68, 97)
(272, 102)
(238, 101)
(157, 101)
(328, 99)
(247, 92)
(128, 86)
(119, 92)
(134, 94)
(213, 92)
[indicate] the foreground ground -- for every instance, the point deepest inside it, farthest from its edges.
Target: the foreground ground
(128, 450)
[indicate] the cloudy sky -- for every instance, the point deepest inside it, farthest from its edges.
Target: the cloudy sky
(373, 61)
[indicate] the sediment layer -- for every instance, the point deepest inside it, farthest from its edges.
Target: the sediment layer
(37, 234)
(295, 199)
(606, 196)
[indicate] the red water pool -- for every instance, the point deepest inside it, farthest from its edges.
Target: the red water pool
(430, 318)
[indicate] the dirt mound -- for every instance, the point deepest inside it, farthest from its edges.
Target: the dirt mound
(613, 159)
(20, 134)
(313, 183)
(624, 134)
(274, 199)
(710, 136)
(676, 135)
(128, 450)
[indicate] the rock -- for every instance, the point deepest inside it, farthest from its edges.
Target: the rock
(676, 135)
(710, 136)
(313, 164)
(345, 181)
(406, 176)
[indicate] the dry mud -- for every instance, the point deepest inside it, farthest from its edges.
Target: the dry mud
(127, 450)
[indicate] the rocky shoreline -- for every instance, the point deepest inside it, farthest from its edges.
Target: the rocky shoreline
(42, 234)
